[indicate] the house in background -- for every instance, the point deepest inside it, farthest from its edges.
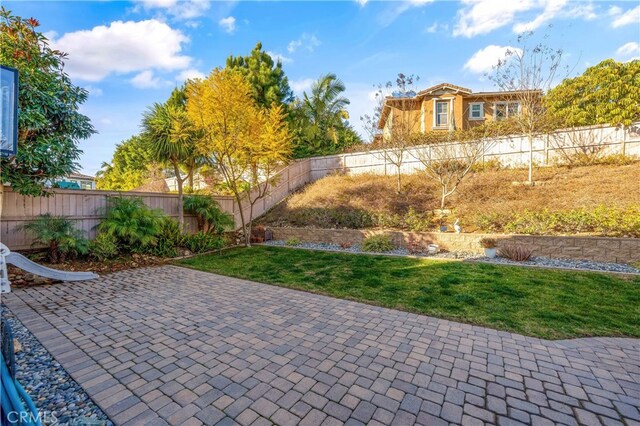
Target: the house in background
(76, 181)
(447, 107)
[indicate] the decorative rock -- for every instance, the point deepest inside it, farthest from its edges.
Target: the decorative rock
(51, 388)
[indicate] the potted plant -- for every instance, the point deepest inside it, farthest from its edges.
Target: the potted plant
(489, 245)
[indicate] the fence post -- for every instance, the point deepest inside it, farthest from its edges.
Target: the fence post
(546, 150)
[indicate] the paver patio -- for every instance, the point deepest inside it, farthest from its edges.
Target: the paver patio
(172, 345)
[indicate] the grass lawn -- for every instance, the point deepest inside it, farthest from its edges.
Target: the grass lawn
(535, 302)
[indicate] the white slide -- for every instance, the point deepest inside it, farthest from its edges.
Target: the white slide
(18, 260)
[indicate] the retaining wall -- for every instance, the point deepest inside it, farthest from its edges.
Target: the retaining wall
(602, 249)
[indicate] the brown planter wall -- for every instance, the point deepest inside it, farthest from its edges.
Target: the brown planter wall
(588, 248)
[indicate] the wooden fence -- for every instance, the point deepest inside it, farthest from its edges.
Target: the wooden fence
(88, 208)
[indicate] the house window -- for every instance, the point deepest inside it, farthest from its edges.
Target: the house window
(476, 111)
(442, 114)
(502, 110)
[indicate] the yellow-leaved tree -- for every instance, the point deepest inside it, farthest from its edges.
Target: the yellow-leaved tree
(247, 144)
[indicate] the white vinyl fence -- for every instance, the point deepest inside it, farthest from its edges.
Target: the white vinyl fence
(510, 151)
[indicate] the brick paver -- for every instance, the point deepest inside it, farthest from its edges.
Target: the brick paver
(170, 345)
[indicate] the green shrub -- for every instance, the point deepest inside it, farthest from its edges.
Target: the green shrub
(603, 220)
(167, 241)
(208, 214)
(293, 241)
(377, 244)
(201, 242)
(59, 235)
(134, 225)
(103, 247)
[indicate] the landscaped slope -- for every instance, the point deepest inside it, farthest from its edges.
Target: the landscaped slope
(564, 200)
(534, 302)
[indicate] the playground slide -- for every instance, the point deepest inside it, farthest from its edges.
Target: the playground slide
(25, 264)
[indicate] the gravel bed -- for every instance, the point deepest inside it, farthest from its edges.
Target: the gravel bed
(54, 392)
(586, 265)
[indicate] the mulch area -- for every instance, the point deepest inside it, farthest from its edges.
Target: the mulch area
(19, 278)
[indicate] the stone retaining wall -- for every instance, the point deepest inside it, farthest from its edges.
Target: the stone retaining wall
(602, 249)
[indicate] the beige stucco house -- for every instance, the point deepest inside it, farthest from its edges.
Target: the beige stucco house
(447, 107)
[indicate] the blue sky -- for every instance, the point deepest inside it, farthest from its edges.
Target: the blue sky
(131, 54)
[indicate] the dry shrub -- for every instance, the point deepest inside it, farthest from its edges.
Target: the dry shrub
(485, 201)
(517, 253)
(488, 242)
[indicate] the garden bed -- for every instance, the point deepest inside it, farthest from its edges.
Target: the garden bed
(18, 277)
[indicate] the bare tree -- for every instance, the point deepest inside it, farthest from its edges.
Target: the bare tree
(529, 71)
(402, 124)
(448, 163)
(580, 146)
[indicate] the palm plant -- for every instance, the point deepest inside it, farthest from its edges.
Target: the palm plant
(325, 110)
(172, 139)
(59, 235)
(132, 223)
(208, 214)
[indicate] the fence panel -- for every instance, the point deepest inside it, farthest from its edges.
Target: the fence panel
(511, 151)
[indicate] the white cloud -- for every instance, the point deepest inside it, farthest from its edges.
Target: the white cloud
(631, 16)
(122, 47)
(629, 51)
(180, 9)
(93, 91)
(308, 42)
(362, 2)
(435, 27)
(485, 59)
(615, 10)
(551, 9)
(190, 74)
(299, 86)
(483, 16)
(279, 57)
(146, 80)
(399, 7)
(228, 24)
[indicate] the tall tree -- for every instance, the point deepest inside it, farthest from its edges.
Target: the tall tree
(268, 82)
(245, 143)
(607, 93)
(319, 119)
(131, 166)
(530, 71)
(172, 140)
(50, 125)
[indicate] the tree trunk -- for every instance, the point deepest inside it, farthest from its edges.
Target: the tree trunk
(444, 196)
(242, 222)
(250, 224)
(176, 169)
(530, 158)
(399, 181)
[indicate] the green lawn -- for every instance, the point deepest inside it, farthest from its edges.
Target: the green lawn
(535, 302)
